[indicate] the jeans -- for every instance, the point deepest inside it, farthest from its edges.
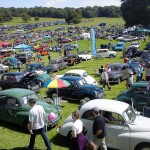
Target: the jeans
(43, 134)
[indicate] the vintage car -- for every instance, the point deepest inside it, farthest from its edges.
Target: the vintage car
(37, 66)
(85, 55)
(42, 78)
(118, 72)
(72, 59)
(18, 80)
(135, 44)
(138, 94)
(11, 61)
(57, 64)
(81, 73)
(79, 89)
(125, 129)
(14, 107)
(106, 53)
(4, 68)
(120, 46)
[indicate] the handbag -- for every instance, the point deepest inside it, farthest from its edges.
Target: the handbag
(91, 146)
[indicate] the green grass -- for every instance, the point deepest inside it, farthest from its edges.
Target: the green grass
(14, 137)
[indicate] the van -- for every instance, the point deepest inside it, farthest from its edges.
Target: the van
(120, 46)
(25, 57)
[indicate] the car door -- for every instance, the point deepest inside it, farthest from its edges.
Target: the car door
(118, 132)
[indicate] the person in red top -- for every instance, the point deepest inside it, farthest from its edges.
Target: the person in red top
(126, 59)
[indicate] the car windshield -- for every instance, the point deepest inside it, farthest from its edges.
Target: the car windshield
(82, 82)
(129, 115)
(115, 67)
(24, 100)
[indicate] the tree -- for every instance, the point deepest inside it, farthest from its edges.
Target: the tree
(25, 17)
(136, 12)
(73, 17)
(36, 18)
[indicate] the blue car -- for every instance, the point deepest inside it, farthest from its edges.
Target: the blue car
(120, 46)
(11, 61)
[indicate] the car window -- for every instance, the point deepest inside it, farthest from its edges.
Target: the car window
(112, 118)
(11, 101)
(3, 100)
(140, 90)
(85, 74)
(88, 115)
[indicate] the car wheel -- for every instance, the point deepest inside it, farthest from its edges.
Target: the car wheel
(143, 146)
(111, 56)
(86, 98)
(1, 89)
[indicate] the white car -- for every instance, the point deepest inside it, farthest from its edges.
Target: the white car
(4, 68)
(124, 128)
(85, 55)
(135, 44)
(106, 53)
(81, 73)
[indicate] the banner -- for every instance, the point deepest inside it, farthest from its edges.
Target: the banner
(93, 42)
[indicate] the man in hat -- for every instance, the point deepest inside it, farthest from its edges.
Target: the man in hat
(36, 124)
(99, 130)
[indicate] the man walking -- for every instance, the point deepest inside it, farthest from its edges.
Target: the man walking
(36, 124)
(105, 79)
(99, 130)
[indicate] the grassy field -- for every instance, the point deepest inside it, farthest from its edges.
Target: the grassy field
(13, 137)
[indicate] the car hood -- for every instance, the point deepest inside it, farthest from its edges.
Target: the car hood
(48, 108)
(140, 124)
(123, 93)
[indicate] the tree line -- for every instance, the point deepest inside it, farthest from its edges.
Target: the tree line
(7, 14)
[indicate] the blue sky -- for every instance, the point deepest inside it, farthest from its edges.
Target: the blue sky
(58, 3)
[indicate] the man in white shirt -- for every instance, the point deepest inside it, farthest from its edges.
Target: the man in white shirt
(105, 79)
(36, 124)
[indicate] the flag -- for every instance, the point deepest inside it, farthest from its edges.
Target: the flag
(93, 42)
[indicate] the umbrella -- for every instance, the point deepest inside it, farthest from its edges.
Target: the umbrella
(57, 83)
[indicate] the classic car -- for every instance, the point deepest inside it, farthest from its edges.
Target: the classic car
(133, 63)
(18, 80)
(57, 64)
(79, 89)
(11, 61)
(14, 107)
(42, 78)
(135, 44)
(138, 95)
(120, 46)
(145, 57)
(132, 52)
(125, 129)
(81, 73)
(4, 68)
(118, 73)
(37, 66)
(72, 59)
(106, 53)
(85, 55)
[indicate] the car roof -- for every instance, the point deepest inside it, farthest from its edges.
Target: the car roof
(141, 83)
(34, 64)
(105, 105)
(16, 92)
(79, 71)
(71, 78)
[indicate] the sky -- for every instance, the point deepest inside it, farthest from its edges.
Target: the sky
(58, 3)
